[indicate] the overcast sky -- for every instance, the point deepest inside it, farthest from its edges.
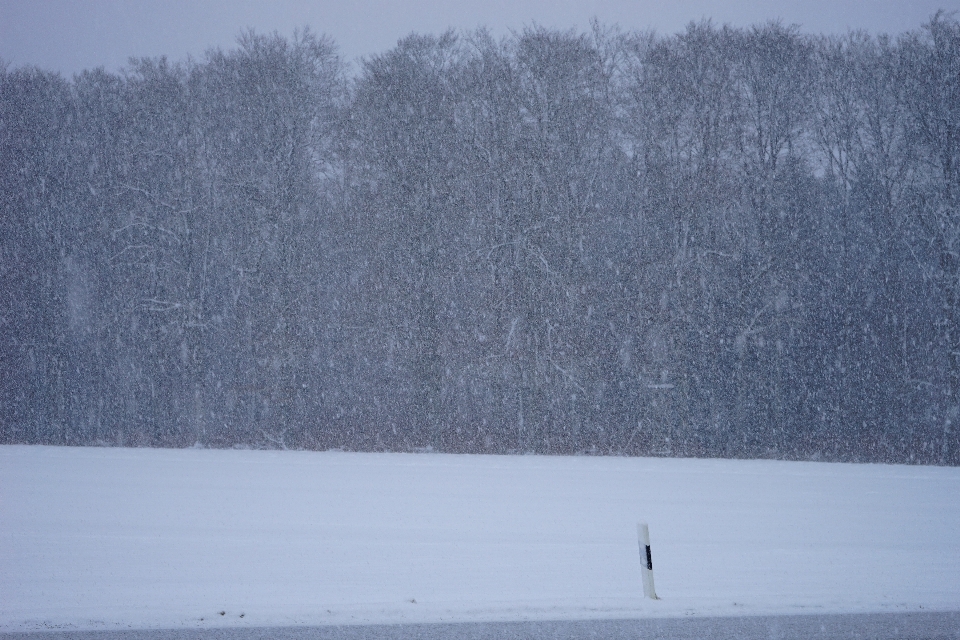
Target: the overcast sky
(71, 35)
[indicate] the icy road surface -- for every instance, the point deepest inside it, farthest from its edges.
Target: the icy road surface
(144, 538)
(843, 626)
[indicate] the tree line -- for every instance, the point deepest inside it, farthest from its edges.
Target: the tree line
(724, 242)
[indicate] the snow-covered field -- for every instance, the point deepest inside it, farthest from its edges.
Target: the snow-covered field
(146, 538)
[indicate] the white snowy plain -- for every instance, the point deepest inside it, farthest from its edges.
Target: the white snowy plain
(105, 538)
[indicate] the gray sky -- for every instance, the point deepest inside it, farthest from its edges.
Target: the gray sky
(71, 35)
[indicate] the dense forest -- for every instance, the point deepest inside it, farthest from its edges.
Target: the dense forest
(724, 242)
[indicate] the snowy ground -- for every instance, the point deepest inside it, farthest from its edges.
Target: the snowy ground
(118, 538)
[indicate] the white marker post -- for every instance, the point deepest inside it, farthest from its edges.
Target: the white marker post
(646, 560)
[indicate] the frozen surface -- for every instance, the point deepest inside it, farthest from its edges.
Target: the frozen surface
(116, 538)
